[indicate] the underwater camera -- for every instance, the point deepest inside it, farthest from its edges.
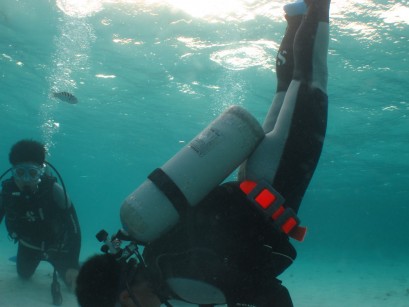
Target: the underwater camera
(112, 245)
(128, 254)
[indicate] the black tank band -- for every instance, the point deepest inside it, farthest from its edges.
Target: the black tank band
(166, 185)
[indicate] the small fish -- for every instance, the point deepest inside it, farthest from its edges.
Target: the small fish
(66, 97)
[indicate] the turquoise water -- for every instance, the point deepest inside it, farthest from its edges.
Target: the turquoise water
(150, 75)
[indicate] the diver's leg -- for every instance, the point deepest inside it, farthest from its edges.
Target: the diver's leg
(288, 155)
(284, 68)
(259, 163)
(311, 46)
(303, 118)
(27, 261)
(261, 158)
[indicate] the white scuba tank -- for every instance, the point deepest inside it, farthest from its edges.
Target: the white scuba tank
(191, 174)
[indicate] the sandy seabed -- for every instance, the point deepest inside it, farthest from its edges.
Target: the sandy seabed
(314, 280)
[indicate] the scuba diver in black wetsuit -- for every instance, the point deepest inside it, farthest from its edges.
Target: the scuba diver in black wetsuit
(40, 217)
(231, 246)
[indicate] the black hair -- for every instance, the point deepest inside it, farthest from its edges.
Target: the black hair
(27, 151)
(98, 281)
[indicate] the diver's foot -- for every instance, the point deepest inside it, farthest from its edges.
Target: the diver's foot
(296, 8)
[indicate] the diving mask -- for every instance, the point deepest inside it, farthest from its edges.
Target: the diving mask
(28, 172)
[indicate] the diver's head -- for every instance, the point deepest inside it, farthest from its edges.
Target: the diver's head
(27, 158)
(98, 281)
(103, 281)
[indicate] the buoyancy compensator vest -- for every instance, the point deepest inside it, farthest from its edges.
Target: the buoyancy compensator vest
(222, 245)
(32, 218)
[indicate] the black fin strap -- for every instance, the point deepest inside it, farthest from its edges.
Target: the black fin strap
(168, 187)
